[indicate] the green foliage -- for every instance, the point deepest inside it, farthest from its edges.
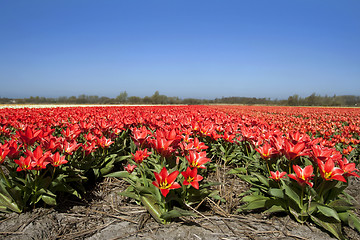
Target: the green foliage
(303, 203)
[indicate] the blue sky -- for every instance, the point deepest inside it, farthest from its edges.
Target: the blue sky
(185, 48)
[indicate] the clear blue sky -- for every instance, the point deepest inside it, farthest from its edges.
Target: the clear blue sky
(185, 48)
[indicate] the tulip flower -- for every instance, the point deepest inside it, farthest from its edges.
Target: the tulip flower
(165, 181)
(197, 159)
(292, 151)
(104, 142)
(140, 155)
(130, 168)
(24, 163)
(140, 135)
(4, 151)
(348, 168)
(328, 171)
(57, 160)
(29, 136)
(267, 151)
(303, 175)
(191, 177)
(70, 147)
(277, 175)
(39, 159)
(348, 150)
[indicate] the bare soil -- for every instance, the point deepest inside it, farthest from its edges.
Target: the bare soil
(103, 214)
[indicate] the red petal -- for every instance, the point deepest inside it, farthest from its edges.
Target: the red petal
(292, 176)
(282, 174)
(195, 184)
(155, 183)
(175, 185)
(329, 166)
(273, 175)
(163, 173)
(193, 172)
(308, 170)
(297, 170)
(299, 147)
(185, 182)
(339, 178)
(158, 178)
(38, 152)
(164, 192)
(198, 178)
(171, 178)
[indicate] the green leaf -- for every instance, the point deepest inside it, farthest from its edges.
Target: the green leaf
(241, 170)
(329, 212)
(350, 219)
(312, 207)
(341, 205)
(262, 179)
(153, 208)
(296, 215)
(354, 221)
(49, 200)
(215, 195)
(248, 178)
(107, 168)
(292, 194)
(222, 149)
(334, 190)
(256, 204)
(275, 192)
(146, 190)
(253, 197)
(275, 209)
(121, 158)
(332, 227)
(129, 194)
(8, 203)
(120, 174)
(45, 182)
(175, 213)
(3, 189)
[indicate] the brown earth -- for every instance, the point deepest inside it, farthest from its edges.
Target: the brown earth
(103, 214)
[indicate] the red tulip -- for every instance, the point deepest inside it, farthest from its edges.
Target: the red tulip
(130, 168)
(277, 175)
(191, 177)
(165, 181)
(197, 159)
(267, 151)
(303, 175)
(140, 155)
(328, 171)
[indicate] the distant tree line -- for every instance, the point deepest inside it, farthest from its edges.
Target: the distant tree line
(123, 98)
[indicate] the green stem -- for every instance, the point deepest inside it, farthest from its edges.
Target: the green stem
(268, 168)
(143, 175)
(5, 178)
(53, 173)
(302, 202)
(302, 197)
(322, 185)
(289, 167)
(247, 150)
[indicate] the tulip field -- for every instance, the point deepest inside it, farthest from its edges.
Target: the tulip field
(297, 161)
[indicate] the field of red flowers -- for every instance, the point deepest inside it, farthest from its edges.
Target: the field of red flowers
(172, 161)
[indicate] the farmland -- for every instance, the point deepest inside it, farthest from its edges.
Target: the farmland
(170, 161)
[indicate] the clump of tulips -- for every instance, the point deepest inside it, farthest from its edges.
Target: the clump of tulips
(166, 180)
(298, 160)
(303, 178)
